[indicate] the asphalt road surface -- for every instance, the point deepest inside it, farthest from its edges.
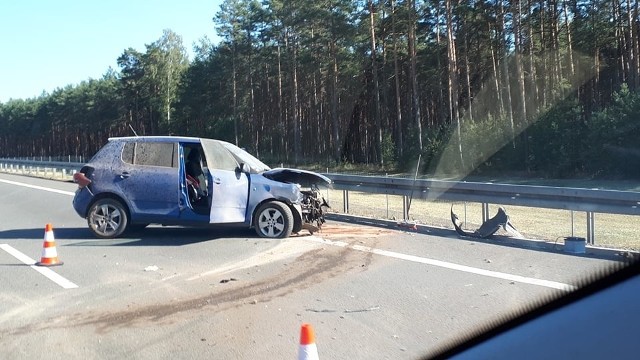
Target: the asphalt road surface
(171, 292)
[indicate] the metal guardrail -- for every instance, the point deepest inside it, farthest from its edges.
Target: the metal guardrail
(56, 169)
(575, 199)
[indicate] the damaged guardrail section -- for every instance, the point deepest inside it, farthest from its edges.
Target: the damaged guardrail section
(587, 200)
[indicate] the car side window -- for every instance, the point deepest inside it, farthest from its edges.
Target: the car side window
(127, 152)
(150, 154)
(218, 157)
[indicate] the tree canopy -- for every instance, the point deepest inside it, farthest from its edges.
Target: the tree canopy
(535, 86)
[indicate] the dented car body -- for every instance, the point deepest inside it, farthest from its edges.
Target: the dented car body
(136, 181)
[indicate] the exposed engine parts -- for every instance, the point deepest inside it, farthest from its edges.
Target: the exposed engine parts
(313, 209)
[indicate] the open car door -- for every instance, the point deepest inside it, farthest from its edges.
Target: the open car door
(228, 187)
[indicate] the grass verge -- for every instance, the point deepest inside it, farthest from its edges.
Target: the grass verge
(612, 231)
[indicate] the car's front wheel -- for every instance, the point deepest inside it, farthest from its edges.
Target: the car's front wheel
(273, 220)
(107, 218)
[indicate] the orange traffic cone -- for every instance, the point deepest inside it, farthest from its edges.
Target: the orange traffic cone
(308, 349)
(49, 253)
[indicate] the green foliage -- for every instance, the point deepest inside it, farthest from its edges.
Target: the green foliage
(388, 150)
(613, 137)
(291, 73)
(556, 140)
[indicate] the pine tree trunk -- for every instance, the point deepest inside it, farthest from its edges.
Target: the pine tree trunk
(533, 85)
(396, 72)
(496, 76)
(295, 111)
(517, 24)
(569, 39)
(335, 121)
(376, 87)
(415, 98)
(633, 70)
(453, 79)
(507, 78)
(281, 126)
(636, 46)
(235, 98)
(546, 85)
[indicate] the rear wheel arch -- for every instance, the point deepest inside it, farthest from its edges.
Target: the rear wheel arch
(113, 197)
(108, 217)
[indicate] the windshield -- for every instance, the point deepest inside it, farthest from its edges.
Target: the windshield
(242, 156)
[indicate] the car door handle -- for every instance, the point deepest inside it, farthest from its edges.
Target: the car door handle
(124, 175)
(217, 180)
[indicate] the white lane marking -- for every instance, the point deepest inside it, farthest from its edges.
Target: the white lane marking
(433, 262)
(42, 270)
(38, 187)
(448, 265)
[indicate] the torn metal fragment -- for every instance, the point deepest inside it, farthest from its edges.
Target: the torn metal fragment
(489, 227)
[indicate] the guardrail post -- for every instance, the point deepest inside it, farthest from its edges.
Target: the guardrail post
(405, 208)
(485, 212)
(386, 175)
(572, 224)
(591, 228)
(345, 201)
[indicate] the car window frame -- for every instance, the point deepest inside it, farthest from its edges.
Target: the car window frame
(133, 160)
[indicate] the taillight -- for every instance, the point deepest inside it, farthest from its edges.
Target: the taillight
(81, 180)
(82, 177)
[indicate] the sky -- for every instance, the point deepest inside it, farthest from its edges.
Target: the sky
(47, 44)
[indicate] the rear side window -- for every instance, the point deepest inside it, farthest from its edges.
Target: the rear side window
(150, 154)
(127, 152)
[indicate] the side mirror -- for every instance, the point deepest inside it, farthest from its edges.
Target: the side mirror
(243, 168)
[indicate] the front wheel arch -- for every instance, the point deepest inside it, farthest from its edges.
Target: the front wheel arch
(297, 222)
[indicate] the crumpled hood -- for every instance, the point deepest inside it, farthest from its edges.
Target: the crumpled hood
(296, 176)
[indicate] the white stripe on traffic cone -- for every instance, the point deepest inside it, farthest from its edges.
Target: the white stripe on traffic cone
(308, 349)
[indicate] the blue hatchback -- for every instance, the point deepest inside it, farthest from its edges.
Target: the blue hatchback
(136, 181)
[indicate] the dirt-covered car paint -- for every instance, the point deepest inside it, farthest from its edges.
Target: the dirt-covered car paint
(135, 181)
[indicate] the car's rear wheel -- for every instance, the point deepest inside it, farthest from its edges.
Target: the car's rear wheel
(107, 218)
(273, 220)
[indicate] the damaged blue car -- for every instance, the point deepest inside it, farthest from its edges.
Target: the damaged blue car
(132, 182)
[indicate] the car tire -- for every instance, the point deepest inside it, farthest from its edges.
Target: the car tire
(273, 220)
(297, 226)
(107, 218)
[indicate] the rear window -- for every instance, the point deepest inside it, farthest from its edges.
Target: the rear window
(150, 154)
